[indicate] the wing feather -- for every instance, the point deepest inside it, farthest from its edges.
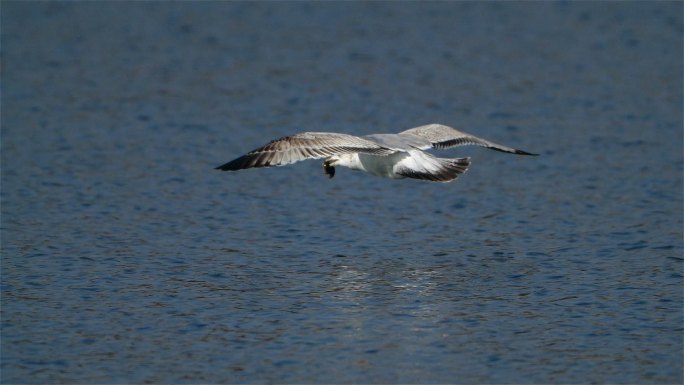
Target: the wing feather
(442, 137)
(306, 145)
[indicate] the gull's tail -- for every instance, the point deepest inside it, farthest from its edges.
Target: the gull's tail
(454, 167)
(435, 169)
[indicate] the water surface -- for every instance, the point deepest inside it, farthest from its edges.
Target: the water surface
(127, 259)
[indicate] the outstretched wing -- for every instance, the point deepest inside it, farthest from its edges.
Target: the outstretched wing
(440, 137)
(306, 145)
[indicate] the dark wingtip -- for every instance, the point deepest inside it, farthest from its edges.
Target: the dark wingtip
(245, 161)
(512, 151)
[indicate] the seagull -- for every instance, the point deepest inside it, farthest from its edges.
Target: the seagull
(394, 156)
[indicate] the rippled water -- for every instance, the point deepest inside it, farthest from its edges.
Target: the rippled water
(127, 259)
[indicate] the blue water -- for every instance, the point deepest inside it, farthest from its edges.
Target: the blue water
(127, 259)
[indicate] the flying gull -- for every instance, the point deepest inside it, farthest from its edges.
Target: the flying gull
(395, 156)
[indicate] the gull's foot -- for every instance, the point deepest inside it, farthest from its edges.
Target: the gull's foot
(329, 170)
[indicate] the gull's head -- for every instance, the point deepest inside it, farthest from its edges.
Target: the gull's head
(344, 160)
(328, 168)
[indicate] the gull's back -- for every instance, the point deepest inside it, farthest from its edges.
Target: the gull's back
(399, 142)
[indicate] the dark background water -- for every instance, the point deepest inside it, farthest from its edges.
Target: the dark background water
(127, 259)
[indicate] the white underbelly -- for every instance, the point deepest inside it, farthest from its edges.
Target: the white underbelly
(381, 165)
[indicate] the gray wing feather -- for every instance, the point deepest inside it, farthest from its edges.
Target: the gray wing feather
(441, 137)
(306, 145)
